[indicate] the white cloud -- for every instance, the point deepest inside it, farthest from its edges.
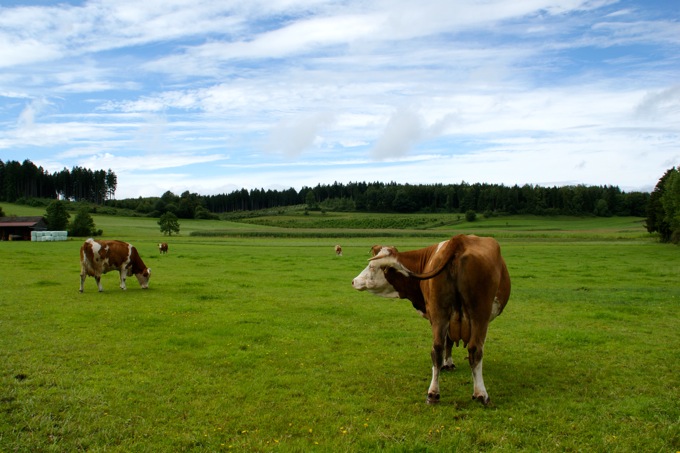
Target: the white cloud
(26, 118)
(660, 104)
(404, 129)
(295, 135)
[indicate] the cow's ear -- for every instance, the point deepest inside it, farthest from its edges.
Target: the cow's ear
(382, 252)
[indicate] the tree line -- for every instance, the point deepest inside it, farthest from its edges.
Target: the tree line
(494, 199)
(488, 199)
(26, 180)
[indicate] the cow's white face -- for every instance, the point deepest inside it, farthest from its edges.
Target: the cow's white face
(143, 278)
(372, 279)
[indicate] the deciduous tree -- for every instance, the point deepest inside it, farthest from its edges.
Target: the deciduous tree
(671, 204)
(83, 225)
(169, 223)
(656, 215)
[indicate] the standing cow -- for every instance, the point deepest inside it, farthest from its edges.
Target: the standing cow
(100, 257)
(338, 250)
(459, 285)
(163, 247)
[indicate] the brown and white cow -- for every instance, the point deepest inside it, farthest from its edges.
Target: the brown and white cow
(459, 285)
(163, 247)
(100, 257)
(338, 250)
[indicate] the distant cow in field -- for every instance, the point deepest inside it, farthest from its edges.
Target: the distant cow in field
(338, 250)
(459, 285)
(100, 257)
(163, 247)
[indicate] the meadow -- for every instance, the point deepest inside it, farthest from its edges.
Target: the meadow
(252, 338)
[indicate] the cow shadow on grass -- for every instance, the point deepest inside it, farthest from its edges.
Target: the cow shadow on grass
(513, 380)
(510, 379)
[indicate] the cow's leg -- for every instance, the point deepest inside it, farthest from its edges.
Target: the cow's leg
(98, 279)
(448, 360)
(475, 356)
(83, 275)
(123, 274)
(479, 389)
(439, 330)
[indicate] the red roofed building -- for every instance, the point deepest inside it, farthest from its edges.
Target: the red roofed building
(19, 228)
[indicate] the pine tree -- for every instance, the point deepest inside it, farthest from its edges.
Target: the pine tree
(56, 216)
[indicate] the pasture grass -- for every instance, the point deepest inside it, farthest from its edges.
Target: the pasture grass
(261, 344)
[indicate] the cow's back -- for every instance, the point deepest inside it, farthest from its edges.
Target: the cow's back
(476, 285)
(99, 257)
(116, 254)
(491, 260)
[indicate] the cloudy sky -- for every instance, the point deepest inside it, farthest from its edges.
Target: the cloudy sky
(214, 96)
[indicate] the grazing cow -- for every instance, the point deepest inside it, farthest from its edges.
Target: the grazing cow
(100, 257)
(459, 285)
(163, 247)
(338, 250)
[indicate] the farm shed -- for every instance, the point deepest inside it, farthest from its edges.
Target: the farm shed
(20, 228)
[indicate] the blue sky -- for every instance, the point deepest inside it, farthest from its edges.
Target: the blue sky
(212, 97)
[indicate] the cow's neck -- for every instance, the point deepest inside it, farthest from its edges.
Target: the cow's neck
(137, 264)
(407, 287)
(416, 260)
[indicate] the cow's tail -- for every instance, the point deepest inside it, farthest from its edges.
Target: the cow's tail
(441, 260)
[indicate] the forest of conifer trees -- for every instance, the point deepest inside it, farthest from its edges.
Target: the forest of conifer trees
(26, 180)
(405, 198)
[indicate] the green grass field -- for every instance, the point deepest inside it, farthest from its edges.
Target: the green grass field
(261, 344)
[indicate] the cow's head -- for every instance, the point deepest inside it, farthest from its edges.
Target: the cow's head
(143, 278)
(372, 279)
